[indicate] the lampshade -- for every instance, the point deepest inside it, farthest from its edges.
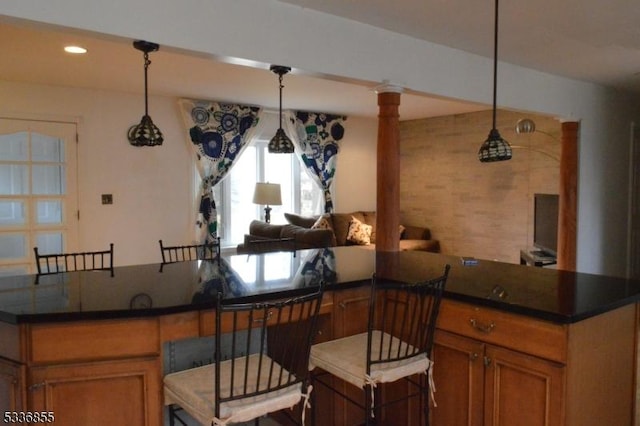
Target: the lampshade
(146, 133)
(267, 194)
(525, 125)
(494, 148)
(280, 143)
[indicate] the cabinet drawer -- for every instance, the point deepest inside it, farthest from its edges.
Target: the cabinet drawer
(93, 340)
(518, 332)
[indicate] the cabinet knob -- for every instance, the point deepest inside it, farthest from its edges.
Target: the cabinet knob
(487, 361)
(474, 356)
(484, 328)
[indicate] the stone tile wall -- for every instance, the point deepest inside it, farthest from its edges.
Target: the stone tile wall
(476, 209)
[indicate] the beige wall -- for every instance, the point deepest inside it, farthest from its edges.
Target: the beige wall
(475, 209)
(355, 182)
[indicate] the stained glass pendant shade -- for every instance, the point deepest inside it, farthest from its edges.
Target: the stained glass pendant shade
(280, 143)
(495, 148)
(146, 133)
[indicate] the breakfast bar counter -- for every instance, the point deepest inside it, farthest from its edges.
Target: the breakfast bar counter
(515, 344)
(155, 289)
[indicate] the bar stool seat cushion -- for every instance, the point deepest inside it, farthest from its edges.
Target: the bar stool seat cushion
(346, 358)
(193, 390)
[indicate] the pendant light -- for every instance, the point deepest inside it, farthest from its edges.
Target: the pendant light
(280, 143)
(495, 148)
(146, 133)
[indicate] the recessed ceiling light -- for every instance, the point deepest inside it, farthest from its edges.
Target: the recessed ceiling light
(75, 49)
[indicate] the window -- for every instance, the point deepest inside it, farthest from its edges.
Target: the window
(234, 195)
(37, 187)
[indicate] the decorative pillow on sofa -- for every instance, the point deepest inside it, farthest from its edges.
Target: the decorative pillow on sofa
(323, 222)
(359, 233)
(303, 221)
(340, 222)
(369, 218)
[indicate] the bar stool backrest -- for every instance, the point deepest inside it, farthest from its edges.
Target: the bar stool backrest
(55, 263)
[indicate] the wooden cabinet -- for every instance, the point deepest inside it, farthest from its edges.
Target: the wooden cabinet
(494, 368)
(321, 396)
(11, 386)
(498, 386)
(491, 367)
(108, 393)
(521, 389)
(99, 373)
(350, 316)
(351, 311)
(459, 378)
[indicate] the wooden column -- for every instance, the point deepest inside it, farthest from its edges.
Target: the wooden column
(568, 207)
(388, 170)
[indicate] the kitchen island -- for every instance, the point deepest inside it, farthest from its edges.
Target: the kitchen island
(515, 344)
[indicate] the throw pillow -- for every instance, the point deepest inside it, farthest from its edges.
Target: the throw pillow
(322, 223)
(359, 233)
(303, 221)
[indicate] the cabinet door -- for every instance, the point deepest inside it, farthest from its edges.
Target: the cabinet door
(321, 396)
(522, 390)
(99, 394)
(350, 316)
(459, 379)
(11, 386)
(351, 311)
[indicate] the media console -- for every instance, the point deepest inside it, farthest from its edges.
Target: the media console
(534, 257)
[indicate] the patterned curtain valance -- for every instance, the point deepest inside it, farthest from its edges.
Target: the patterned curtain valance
(317, 136)
(218, 132)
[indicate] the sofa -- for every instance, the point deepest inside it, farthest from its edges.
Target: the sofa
(329, 230)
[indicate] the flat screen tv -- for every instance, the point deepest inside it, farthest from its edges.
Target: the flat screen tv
(545, 224)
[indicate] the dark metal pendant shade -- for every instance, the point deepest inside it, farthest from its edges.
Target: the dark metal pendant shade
(495, 148)
(280, 143)
(146, 133)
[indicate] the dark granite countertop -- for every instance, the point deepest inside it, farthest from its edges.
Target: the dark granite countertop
(151, 290)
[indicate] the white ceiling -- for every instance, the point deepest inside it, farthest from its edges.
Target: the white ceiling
(33, 54)
(591, 40)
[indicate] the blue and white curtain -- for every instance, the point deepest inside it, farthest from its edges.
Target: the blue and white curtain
(316, 137)
(218, 132)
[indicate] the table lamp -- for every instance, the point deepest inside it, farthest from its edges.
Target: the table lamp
(267, 194)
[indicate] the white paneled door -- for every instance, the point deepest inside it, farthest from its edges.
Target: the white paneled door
(38, 191)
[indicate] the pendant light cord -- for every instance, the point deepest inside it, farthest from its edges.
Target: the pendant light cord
(147, 62)
(280, 109)
(495, 63)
